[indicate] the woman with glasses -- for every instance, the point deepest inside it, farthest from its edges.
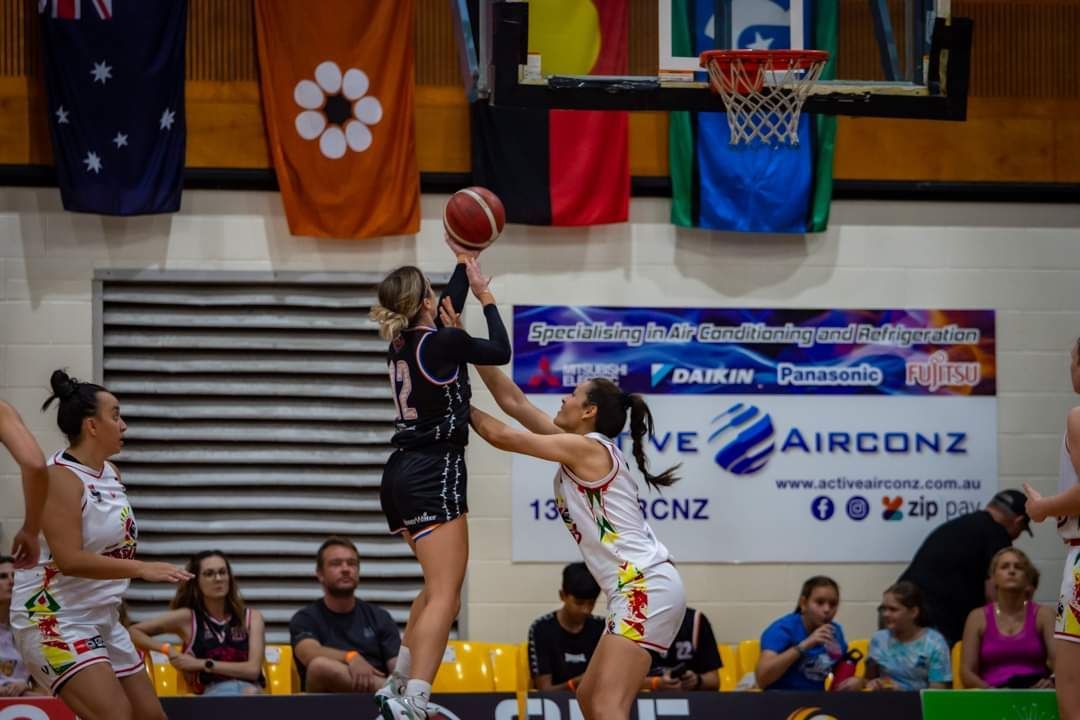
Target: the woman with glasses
(222, 640)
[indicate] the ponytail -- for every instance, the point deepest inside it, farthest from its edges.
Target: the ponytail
(641, 425)
(77, 401)
(390, 323)
(612, 405)
(401, 296)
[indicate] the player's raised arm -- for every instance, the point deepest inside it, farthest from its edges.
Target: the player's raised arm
(509, 397)
(35, 482)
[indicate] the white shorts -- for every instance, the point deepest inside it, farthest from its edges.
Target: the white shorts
(56, 650)
(1067, 625)
(647, 607)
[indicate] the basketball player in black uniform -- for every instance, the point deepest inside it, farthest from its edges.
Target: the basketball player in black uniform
(423, 486)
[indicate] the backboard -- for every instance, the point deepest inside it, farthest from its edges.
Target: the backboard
(894, 58)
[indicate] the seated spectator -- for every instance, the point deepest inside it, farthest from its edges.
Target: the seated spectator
(562, 642)
(693, 660)
(1009, 642)
(221, 639)
(14, 675)
(907, 655)
(798, 650)
(342, 644)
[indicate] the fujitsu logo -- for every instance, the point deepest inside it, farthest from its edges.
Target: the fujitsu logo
(938, 372)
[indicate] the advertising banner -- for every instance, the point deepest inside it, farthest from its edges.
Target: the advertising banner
(464, 706)
(802, 435)
(760, 706)
(34, 708)
(990, 705)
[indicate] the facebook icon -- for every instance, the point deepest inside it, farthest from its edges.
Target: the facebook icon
(822, 508)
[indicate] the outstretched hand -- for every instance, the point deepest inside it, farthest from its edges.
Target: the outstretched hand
(448, 315)
(1034, 505)
(478, 282)
(460, 251)
(25, 548)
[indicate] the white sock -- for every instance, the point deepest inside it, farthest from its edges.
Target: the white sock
(403, 667)
(419, 691)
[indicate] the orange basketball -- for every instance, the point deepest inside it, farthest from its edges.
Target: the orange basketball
(474, 217)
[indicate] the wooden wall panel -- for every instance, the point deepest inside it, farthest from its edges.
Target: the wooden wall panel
(221, 41)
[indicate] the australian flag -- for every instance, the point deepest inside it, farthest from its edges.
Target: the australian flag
(114, 70)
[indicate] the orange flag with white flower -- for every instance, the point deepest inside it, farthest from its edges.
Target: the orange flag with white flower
(337, 84)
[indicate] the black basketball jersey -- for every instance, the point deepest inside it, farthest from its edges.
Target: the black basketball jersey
(430, 410)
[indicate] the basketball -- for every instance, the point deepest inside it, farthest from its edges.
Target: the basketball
(474, 217)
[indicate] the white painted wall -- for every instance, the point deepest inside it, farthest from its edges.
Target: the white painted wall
(1023, 261)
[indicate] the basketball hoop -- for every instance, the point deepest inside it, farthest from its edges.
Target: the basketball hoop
(764, 90)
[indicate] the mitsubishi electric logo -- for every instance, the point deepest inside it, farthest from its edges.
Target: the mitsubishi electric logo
(676, 375)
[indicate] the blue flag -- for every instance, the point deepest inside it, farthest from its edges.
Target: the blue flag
(755, 187)
(114, 71)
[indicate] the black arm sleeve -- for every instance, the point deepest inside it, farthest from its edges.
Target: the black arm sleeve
(457, 290)
(450, 347)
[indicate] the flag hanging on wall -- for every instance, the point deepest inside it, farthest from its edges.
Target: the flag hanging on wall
(114, 74)
(337, 84)
(755, 188)
(562, 167)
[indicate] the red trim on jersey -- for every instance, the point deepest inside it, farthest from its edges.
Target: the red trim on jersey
(606, 480)
(54, 688)
(427, 531)
(423, 370)
(191, 636)
(134, 669)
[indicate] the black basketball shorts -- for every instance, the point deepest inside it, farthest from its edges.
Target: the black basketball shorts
(422, 489)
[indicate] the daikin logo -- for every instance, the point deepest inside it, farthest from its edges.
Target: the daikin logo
(745, 435)
(676, 375)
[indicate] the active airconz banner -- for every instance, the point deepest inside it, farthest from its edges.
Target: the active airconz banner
(739, 705)
(816, 435)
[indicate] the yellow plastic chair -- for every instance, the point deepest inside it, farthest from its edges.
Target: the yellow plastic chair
(863, 646)
(167, 682)
(749, 652)
(729, 673)
(465, 668)
(279, 670)
(525, 680)
(504, 664)
(957, 681)
(149, 663)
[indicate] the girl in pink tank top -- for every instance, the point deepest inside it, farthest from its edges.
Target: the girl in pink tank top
(1007, 643)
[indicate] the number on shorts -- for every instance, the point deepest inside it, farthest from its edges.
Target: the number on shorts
(399, 373)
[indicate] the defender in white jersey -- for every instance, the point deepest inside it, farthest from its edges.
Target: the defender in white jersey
(65, 609)
(1066, 507)
(598, 499)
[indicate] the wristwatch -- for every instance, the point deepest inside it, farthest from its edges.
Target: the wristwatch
(209, 665)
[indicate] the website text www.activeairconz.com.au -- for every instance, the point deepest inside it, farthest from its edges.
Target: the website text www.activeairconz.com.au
(878, 483)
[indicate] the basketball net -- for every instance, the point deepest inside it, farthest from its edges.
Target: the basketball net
(764, 91)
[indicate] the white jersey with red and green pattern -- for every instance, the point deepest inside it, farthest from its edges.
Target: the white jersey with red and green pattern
(605, 519)
(43, 593)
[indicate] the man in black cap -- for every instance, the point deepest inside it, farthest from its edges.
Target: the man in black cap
(951, 566)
